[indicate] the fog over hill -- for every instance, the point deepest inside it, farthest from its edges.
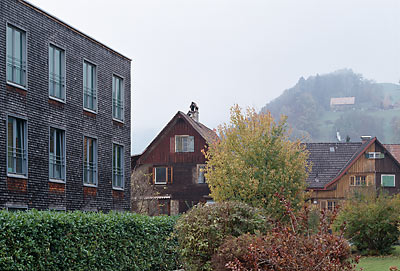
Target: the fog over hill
(342, 102)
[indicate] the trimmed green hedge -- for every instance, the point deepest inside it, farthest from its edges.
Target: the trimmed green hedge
(46, 240)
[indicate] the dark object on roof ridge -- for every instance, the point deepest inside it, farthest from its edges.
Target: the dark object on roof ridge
(208, 134)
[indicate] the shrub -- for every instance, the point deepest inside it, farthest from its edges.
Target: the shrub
(202, 230)
(36, 240)
(371, 223)
(293, 246)
(233, 248)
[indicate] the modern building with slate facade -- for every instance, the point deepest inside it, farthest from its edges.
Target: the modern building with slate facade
(64, 115)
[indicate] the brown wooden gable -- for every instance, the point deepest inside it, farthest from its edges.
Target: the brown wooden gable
(161, 150)
(362, 166)
(388, 165)
(351, 163)
(371, 169)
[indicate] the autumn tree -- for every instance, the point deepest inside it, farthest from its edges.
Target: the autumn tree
(254, 159)
(142, 193)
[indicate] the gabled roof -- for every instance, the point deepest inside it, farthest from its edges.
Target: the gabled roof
(330, 161)
(342, 101)
(394, 149)
(205, 132)
(208, 134)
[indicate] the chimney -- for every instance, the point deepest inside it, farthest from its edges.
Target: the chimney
(194, 112)
(365, 138)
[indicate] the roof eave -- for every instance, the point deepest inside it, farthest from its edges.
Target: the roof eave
(34, 7)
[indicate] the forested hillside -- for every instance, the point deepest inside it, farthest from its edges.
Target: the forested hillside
(375, 108)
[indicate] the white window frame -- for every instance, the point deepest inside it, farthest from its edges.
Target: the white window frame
(394, 180)
(24, 173)
(166, 175)
(62, 158)
(118, 171)
(115, 105)
(375, 155)
(182, 137)
(62, 79)
(94, 92)
(24, 58)
(92, 168)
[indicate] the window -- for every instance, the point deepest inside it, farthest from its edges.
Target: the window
(118, 166)
(331, 205)
(388, 180)
(118, 98)
(89, 161)
(56, 73)
(184, 143)
(57, 155)
(89, 86)
(358, 181)
(162, 175)
(200, 173)
(17, 162)
(374, 155)
(17, 208)
(16, 56)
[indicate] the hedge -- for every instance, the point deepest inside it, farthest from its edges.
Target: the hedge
(44, 240)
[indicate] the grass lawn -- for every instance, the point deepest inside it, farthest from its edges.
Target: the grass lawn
(380, 263)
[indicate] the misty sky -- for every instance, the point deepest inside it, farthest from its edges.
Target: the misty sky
(221, 52)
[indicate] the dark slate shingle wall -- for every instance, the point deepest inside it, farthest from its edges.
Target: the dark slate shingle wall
(41, 113)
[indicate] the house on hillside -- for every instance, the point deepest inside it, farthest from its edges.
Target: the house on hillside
(341, 169)
(342, 103)
(64, 115)
(174, 165)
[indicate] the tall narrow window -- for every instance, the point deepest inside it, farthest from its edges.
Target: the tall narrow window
(89, 86)
(90, 161)
(184, 143)
(118, 98)
(17, 162)
(57, 154)
(200, 173)
(16, 56)
(118, 166)
(56, 73)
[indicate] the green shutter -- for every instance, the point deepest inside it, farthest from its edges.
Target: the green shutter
(388, 181)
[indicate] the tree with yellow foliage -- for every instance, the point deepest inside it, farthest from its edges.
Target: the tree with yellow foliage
(254, 161)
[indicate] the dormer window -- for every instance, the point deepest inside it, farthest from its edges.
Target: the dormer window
(184, 143)
(374, 155)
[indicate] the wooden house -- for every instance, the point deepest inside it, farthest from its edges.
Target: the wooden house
(341, 170)
(174, 164)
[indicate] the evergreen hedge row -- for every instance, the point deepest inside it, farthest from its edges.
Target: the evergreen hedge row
(44, 240)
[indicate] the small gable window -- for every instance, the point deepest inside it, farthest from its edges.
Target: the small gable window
(388, 180)
(184, 143)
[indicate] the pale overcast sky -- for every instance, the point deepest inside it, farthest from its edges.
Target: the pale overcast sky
(221, 52)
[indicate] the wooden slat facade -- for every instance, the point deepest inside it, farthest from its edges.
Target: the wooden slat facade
(182, 186)
(372, 169)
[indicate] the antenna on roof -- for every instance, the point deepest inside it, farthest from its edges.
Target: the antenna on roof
(338, 136)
